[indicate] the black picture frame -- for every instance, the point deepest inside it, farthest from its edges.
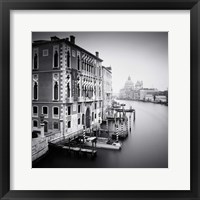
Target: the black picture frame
(7, 5)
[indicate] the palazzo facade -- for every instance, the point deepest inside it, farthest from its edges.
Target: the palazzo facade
(66, 86)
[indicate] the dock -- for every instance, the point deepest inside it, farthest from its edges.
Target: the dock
(77, 150)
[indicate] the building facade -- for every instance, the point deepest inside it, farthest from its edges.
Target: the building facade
(107, 90)
(138, 87)
(148, 94)
(66, 86)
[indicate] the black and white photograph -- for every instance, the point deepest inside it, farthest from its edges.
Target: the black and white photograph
(99, 100)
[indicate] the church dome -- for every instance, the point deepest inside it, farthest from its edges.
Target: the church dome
(129, 84)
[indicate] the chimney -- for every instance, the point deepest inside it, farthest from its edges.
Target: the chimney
(54, 38)
(72, 39)
(97, 54)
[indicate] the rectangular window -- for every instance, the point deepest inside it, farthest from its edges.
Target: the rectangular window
(99, 104)
(55, 112)
(45, 111)
(79, 108)
(92, 116)
(45, 52)
(35, 111)
(95, 106)
(69, 110)
(79, 120)
(69, 124)
(95, 116)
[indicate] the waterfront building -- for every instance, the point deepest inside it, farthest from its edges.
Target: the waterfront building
(149, 97)
(148, 93)
(107, 90)
(128, 91)
(66, 87)
(161, 98)
(139, 85)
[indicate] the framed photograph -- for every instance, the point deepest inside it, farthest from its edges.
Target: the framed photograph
(99, 99)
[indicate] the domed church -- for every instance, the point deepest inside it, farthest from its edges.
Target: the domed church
(128, 91)
(129, 84)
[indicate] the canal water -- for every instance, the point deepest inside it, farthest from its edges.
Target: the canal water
(145, 147)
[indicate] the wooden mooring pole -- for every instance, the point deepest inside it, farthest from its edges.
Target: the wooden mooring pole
(117, 133)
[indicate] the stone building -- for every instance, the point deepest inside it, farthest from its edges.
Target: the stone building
(66, 86)
(107, 90)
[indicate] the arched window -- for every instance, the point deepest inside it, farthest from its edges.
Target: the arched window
(82, 65)
(90, 95)
(68, 90)
(83, 119)
(55, 90)
(78, 88)
(83, 91)
(56, 59)
(86, 91)
(94, 90)
(35, 123)
(78, 63)
(68, 59)
(35, 61)
(91, 91)
(35, 91)
(55, 87)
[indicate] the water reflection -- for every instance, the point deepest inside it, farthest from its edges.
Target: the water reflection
(145, 147)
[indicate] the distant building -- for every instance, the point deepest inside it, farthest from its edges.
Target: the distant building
(148, 93)
(107, 89)
(66, 86)
(160, 99)
(149, 97)
(128, 91)
(138, 85)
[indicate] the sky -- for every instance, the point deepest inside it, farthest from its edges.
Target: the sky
(141, 55)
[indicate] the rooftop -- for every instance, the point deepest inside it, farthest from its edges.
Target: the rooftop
(71, 42)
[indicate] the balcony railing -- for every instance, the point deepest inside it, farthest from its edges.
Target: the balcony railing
(70, 100)
(87, 99)
(81, 99)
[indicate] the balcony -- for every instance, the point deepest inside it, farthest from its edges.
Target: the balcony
(70, 100)
(81, 99)
(87, 99)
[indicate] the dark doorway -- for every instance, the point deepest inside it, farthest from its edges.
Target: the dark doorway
(88, 118)
(45, 126)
